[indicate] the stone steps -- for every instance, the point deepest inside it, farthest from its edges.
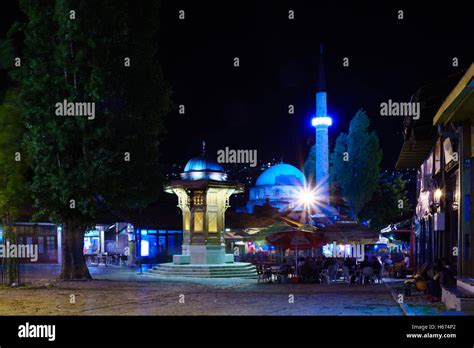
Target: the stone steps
(203, 269)
(466, 284)
(457, 298)
(235, 270)
(194, 275)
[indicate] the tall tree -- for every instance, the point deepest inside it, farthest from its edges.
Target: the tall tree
(105, 53)
(13, 181)
(389, 203)
(355, 163)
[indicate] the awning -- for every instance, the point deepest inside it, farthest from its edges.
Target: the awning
(232, 236)
(459, 104)
(412, 156)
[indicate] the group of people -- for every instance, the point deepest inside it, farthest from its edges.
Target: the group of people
(322, 269)
(435, 275)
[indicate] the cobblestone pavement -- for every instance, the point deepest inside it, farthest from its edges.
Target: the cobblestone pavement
(121, 291)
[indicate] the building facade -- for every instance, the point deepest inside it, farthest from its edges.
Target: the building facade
(46, 236)
(440, 146)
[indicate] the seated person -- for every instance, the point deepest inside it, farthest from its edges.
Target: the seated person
(433, 284)
(332, 270)
(447, 276)
(306, 269)
(349, 263)
(284, 270)
(314, 269)
(321, 262)
(443, 275)
(406, 260)
(388, 260)
(365, 263)
(399, 269)
(301, 261)
(378, 267)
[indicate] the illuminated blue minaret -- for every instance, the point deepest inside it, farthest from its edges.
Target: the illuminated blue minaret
(322, 122)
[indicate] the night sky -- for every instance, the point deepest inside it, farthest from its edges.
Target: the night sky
(247, 107)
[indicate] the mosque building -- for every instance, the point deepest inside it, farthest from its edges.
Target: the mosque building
(278, 185)
(281, 185)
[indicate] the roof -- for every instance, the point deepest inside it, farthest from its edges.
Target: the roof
(459, 104)
(411, 156)
(203, 163)
(420, 135)
(204, 185)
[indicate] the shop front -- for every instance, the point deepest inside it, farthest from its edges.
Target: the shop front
(157, 246)
(46, 236)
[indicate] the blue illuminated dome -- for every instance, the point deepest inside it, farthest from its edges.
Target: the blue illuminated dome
(278, 186)
(202, 163)
(281, 174)
(203, 168)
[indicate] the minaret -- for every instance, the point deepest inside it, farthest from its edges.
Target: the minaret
(322, 122)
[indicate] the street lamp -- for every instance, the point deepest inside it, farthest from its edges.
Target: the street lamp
(437, 197)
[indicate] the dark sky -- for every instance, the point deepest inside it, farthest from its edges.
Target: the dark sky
(246, 107)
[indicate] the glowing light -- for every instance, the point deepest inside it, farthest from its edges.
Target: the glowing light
(321, 121)
(438, 193)
(145, 248)
(307, 196)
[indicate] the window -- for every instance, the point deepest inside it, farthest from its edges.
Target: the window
(437, 156)
(40, 245)
(91, 245)
(198, 221)
(198, 198)
(50, 243)
(212, 224)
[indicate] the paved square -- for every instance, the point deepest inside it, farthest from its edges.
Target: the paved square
(119, 291)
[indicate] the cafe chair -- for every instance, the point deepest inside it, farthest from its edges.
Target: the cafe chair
(346, 274)
(262, 275)
(332, 272)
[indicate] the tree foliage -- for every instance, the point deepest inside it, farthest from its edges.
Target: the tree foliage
(355, 163)
(82, 166)
(13, 176)
(389, 203)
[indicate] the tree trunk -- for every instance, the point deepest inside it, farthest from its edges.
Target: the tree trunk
(10, 264)
(73, 262)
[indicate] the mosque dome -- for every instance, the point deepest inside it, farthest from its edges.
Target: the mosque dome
(281, 174)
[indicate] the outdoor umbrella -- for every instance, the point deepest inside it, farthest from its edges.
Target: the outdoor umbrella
(296, 239)
(349, 232)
